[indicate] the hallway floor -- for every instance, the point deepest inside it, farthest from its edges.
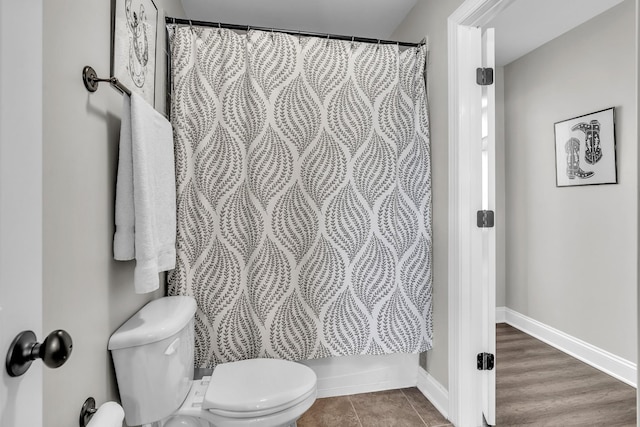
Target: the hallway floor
(538, 385)
(405, 407)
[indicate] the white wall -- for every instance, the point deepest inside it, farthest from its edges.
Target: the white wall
(571, 259)
(85, 291)
(20, 203)
(429, 18)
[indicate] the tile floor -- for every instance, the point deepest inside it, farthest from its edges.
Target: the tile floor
(402, 408)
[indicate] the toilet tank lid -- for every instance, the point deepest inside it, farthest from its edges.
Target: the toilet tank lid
(159, 319)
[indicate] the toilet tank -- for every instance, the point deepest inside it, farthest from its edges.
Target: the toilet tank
(153, 357)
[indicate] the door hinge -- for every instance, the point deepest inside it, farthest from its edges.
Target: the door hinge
(485, 361)
(484, 76)
(485, 219)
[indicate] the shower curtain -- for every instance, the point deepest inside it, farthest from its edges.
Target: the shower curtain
(304, 195)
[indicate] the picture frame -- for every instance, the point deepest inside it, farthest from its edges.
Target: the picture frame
(134, 25)
(586, 149)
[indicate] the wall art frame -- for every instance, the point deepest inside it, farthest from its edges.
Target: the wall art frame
(586, 149)
(134, 25)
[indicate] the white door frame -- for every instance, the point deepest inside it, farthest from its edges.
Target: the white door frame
(464, 404)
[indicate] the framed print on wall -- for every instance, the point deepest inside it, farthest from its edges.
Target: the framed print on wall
(133, 47)
(586, 150)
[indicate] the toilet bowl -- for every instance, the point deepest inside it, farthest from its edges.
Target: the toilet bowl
(153, 358)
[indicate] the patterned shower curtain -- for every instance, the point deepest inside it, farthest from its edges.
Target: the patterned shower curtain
(304, 195)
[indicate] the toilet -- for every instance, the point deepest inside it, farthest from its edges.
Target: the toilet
(153, 357)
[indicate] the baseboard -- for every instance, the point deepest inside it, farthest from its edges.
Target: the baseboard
(434, 391)
(501, 314)
(342, 376)
(600, 359)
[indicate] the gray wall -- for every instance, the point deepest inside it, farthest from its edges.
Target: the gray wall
(429, 18)
(85, 291)
(572, 252)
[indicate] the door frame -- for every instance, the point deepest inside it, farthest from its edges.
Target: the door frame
(464, 405)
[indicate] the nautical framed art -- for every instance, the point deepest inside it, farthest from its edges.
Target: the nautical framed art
(586, 149)
(133, 48)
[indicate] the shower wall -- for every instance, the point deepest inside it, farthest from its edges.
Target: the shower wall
(84, 291)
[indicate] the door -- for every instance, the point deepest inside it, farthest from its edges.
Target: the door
(487, 234)
(482, 233)
(20, 201)
(471, 245)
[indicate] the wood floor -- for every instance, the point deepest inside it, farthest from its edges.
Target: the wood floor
(536, 384)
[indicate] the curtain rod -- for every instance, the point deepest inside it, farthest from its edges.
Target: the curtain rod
(169, 20)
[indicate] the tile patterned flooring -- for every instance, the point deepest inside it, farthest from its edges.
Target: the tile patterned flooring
(392, 408)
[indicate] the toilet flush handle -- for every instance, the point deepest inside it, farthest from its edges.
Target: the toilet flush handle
(172, 347)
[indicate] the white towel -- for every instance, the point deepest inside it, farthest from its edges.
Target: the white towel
(145, 194)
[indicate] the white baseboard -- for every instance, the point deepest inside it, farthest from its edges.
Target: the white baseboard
(434, 391)
(342, 376)
(600, 359)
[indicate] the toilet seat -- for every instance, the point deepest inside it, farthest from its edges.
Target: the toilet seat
(257, 387)
(289, 387)
(264, 413)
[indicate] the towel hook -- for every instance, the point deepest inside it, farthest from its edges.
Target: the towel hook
(91, 80)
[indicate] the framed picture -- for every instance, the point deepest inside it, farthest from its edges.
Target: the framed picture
(133, 47)
(586, 150)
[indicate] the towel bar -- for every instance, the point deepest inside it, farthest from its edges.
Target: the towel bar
(91, 80)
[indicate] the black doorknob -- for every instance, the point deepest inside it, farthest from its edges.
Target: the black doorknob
(54, 351)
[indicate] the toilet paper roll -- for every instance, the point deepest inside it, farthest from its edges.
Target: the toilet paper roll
(109, 414)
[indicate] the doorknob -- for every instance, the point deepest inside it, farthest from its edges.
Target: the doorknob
(54, 351)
